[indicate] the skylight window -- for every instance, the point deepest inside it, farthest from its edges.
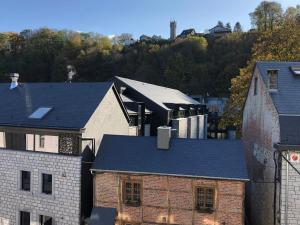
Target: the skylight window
(295, 70)
(40, 113)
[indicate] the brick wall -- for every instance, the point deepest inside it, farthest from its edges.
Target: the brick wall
(64, 203)
(171, 199)
(290, 193)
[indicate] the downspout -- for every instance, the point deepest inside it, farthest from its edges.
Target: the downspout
(275, 187)
(286, 192)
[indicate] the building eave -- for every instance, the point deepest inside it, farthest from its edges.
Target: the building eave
(166, 174)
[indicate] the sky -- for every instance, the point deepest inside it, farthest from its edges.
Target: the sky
(111, 17)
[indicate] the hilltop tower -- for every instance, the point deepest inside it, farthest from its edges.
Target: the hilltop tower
(173, 25)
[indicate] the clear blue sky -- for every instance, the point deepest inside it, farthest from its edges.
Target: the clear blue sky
(138, 17)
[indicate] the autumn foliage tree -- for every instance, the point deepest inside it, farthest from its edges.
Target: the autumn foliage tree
(280, 44)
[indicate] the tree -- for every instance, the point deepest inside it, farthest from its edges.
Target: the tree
(266, 15)
(220, 23)
(237, 28)
(280, 44)
(228, 26)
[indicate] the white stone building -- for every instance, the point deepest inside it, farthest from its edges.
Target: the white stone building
(49, 133)
(271, 134)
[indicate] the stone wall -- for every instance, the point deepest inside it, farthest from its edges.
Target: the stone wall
(64, 203)
(260, 133)
(181, 125)
(171, 199)
(290, 193)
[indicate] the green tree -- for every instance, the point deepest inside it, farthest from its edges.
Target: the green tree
(228, 26)
(266, 15)
(237, 28)
(280, 44)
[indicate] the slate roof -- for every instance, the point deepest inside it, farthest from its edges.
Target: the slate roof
(188, 32)
(216, 159)
(289, 130)
(103, 216)
(219, 29)
(286, 100)
(131, 105)
(158, 94)
(72, 104)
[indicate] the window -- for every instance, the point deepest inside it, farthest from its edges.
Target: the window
(255, 85)
(40, 113)
(45, 220)
(132, 193)
(42, 141)
(205, 198)
(25, 180)
(47, 184)
(273, 79)
(24, 218)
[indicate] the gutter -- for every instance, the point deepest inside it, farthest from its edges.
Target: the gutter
(174, 175)
(26, 129)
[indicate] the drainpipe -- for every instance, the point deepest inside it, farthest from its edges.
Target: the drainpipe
(286, 192)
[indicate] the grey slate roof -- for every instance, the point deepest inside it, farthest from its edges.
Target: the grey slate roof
(216, 159)
(219, 29)
(158, 94)
(103, 216)
(128, 102)
(287, 98)
(289, 130)
(188, 32)
(72, 104)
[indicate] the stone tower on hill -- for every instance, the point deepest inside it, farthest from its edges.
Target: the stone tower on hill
(173, 25)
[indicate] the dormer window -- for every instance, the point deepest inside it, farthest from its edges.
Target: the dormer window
(273, 79)
(295, 70)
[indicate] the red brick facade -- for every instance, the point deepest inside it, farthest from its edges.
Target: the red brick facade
(171, 200)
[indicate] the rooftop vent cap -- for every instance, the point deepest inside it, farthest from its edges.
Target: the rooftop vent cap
(163, 137)
(71, 72)
(14, 80)
(295, 70)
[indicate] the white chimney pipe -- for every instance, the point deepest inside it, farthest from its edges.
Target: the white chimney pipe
(163, 137)
(14, 80)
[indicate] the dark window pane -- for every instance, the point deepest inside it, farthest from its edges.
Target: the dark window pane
(132, 192)
(24, 218)
(47, 184)
(205, 198)
(255, 86)
(42, 141)
(45, 220)
(25, 180)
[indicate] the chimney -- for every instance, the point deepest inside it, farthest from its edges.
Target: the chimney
(141, 118)
(14, 80)
(163, 137)
(202, 126)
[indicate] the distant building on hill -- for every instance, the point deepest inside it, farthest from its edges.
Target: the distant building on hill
(187, 32)
(219, 30)
(173, 25)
